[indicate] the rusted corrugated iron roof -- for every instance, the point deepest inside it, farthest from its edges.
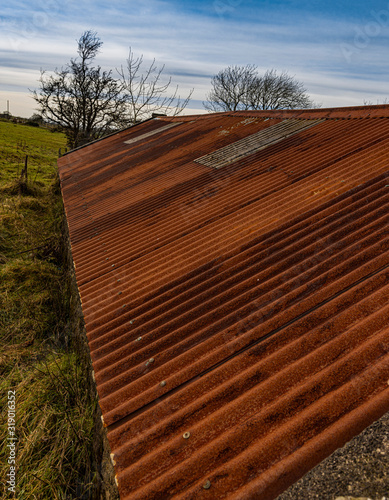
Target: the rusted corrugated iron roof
(254, 142)
(237, 317)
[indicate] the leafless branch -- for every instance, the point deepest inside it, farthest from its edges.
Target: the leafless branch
(85, 100)
(242, 88)
(147, 92)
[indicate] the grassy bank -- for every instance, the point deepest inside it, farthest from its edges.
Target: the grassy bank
(39, 361)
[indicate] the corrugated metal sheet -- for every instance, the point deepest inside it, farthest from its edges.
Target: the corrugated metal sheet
(147, 135)
(237, 318)
(255, 142)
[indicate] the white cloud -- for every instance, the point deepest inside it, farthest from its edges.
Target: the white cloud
(194, 47)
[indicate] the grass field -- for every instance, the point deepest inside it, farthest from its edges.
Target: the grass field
(39, 360)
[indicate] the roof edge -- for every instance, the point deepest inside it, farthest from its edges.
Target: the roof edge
(346, 112)
(108, 135)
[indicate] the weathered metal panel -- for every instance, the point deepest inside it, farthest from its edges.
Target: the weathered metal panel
(255, 142)
(147, 135)
(237, 318)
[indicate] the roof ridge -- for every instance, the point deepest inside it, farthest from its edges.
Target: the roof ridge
(347, 112)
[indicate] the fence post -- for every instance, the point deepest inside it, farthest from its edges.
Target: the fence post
(25, 168)
(24, 171)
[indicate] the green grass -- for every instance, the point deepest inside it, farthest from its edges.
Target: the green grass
(40, 359)
(39, 144)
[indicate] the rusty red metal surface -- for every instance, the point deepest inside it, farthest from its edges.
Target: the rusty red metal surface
(237, 317)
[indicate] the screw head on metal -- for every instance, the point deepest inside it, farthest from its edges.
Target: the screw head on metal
(186, 435)
(207, 484)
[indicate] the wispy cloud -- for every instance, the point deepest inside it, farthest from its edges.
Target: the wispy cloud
(338, 49)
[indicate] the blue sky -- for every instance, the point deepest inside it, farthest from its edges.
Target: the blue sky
(338, 49)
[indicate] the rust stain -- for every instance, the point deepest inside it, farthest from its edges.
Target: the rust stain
(237, 317)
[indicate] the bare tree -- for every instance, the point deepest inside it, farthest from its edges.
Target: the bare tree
(146, 91)
(242, 88)
(272, 91)
(370, 103)
(230, 89)
(82, 98)
(89, 102)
